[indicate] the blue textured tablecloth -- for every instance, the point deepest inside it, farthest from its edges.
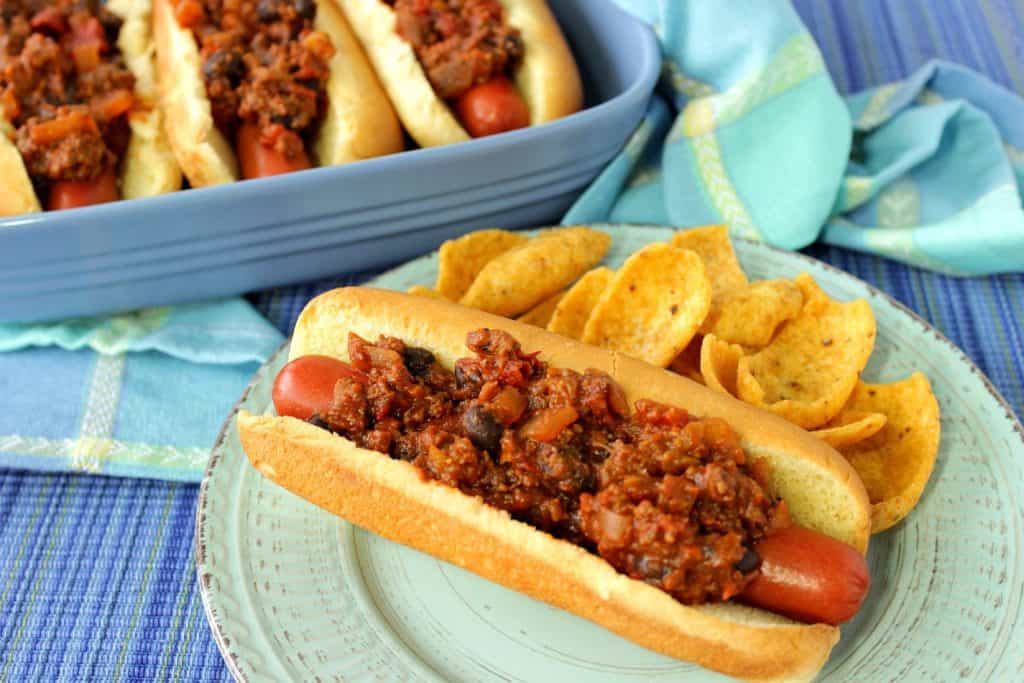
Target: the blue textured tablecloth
(97, 580)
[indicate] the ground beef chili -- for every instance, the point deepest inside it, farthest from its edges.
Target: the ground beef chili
(262, 63)
(663, 497)
(459, 43)
(64, 87)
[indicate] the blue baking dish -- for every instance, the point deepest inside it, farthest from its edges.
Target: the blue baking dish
(255, 234)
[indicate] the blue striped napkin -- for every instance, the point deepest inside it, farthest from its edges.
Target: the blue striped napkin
(141, 394)
(751, 132)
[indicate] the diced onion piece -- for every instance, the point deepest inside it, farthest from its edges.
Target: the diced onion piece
(319, 43)
(86, 57)
(615, 526)
(508, 405)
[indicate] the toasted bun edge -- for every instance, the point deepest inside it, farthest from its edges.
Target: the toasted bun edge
(360, 122)
(149, 166)
(17, 196)
(204, 154)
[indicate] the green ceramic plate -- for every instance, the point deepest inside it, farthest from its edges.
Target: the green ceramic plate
(293, 593)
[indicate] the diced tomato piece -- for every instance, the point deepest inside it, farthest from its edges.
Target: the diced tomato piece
(49, 20)
(189, 13)
(508, 405)
(547, 424)
(9, 104)
(89, 32)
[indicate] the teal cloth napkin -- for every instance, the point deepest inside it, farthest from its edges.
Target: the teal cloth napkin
(141, 394)
(750, 131)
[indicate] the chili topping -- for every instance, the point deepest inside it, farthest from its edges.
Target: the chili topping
(64, 87)
(662, 496)
(264, 64)
(459, 43)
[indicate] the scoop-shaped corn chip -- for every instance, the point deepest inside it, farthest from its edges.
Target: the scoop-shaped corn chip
(420, 290)
(896, 462)
(540, 314)
(653, 306)
(573, 311)
(850, 427)
(519, 279)
(750, 315)
(687, 363)
(460, 260)
(810, 368)
(718, 363)
(711, 242)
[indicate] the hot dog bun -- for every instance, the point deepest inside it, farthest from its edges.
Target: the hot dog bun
(359, 122)
(547, 78)
(148, 167)
(17, 196)
(392, 499)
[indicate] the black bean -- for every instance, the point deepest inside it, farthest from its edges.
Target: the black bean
(305, 8)
(318, 421)
(111, 27)
(417, 360)
(482, 429)
(514, 45)
(464, 377)
(749, 562)
(267, 10)
(224, 64)
(283, 119)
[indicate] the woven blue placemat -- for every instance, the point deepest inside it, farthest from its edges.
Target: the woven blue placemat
(97, 579)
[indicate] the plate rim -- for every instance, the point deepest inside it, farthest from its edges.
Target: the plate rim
(199, 550)
(199, 546)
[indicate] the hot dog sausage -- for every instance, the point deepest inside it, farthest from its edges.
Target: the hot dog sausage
(256, 160)
(804, 575)
(492, 107)
(305, 386)
(70, 194)
(808, 576)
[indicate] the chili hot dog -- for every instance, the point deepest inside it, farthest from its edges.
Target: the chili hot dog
(78, 117)
(456, 69)
(260, 87)
(599, 484)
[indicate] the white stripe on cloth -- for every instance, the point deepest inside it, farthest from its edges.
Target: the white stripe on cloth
(100, 411)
